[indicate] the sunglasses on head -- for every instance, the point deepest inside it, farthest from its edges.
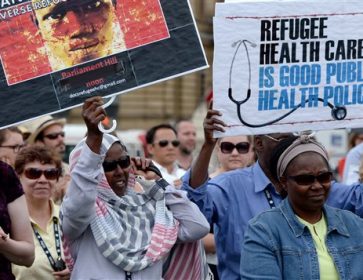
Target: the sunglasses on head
(164, 143)
(228, 147)
(53, 136)
(36, 173)
(123, 162)
(309, 179)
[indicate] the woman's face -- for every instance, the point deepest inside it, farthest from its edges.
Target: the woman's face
(11, 146)
(41, 187)
(233, 159)
(118, 177)
(307, 181)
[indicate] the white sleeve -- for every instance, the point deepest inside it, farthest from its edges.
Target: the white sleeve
(352, 164)
(78, 206)
(193, 224)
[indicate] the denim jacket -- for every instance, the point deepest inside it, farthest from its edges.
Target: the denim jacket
(278, 246)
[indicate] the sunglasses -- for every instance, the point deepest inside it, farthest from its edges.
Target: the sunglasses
(36, 173)
(164, 143)
(308, 179)
(228, 147)
(53, 136)
(123, 162)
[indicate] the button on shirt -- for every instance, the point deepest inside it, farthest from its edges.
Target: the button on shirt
(318, 231)
(231, 199)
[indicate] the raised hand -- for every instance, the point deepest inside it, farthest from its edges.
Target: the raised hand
(211, 123)
(93, 113)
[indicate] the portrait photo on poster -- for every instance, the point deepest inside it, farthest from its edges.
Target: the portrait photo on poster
(54, 35)
(48, 70)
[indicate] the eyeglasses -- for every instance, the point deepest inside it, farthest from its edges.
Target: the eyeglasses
(53, 136)
(164, 143)
(16, 148)
(228, 147)
(123, 162)
(308, 179)
(36, 173)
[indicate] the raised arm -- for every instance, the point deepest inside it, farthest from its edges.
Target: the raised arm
(78, 207)
(193, 224)
(199, 170)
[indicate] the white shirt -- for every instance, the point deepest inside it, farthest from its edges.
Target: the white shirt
(176, 173)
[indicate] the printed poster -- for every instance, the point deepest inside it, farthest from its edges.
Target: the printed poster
(57, 53)
(288, 66)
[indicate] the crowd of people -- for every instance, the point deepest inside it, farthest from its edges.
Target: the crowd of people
(270, 209)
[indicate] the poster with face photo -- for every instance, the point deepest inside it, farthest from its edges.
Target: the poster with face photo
(56, 53)
(55, 35)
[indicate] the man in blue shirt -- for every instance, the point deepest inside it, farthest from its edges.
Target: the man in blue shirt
(230, 200)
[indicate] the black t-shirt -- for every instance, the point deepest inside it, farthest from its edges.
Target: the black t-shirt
(10, 190)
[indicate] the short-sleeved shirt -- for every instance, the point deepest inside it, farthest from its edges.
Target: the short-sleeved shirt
(10, 190)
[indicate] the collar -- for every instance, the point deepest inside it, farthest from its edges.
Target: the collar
(260, 178)
(164, 170)
(333, 219)
(54, 213)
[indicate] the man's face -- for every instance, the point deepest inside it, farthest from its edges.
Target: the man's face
(187, 135)
(164, 155)
(264, 144)
(359, 139)
(53, 137)
(76, 31)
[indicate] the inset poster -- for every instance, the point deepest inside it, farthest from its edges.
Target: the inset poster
(57, 53)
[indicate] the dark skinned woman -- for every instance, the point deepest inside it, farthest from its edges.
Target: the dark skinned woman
(303, 238)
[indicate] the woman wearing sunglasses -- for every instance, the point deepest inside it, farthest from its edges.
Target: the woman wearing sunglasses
(303, 238)
(39, 169)
(111, 231)
(233, 152)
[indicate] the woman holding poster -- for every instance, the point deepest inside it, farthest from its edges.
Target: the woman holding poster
(113, 232)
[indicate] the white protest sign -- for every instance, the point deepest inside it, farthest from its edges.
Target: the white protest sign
(288, 66)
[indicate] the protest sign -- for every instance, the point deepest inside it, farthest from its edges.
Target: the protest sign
(56, 53)
(288, 66)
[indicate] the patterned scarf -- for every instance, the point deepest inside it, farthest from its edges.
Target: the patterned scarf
(133, 231)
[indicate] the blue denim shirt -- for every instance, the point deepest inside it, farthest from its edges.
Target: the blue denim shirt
(278, 246)
(233, 198)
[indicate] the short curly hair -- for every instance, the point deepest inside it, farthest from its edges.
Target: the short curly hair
(33, 153)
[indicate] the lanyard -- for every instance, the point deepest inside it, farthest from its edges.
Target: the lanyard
(128, 275)
(269, 198)
(57, 243)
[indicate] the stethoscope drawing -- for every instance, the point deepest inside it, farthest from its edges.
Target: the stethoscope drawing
(337, 112)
